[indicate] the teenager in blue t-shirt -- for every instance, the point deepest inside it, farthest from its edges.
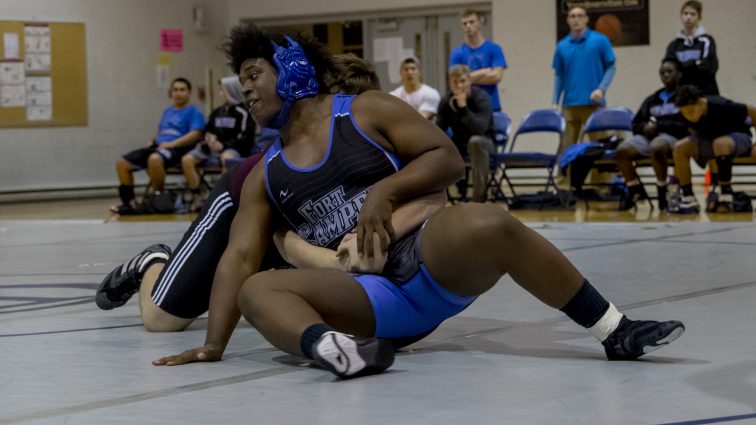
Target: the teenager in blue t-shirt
(484, 57)
(583, 69)
(179, 130)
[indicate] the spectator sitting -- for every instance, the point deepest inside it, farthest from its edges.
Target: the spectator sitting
(179, 130)
(229, 133)
(696, 50)
(484, 57)
(657, 126)
(721, 133)
(422, 97)
(467, 111)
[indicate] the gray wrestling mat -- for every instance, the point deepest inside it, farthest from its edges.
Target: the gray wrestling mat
(505, 360)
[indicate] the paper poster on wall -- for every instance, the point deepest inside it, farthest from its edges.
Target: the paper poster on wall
(38, 92)
(39, 113)
(38, 62)
(11, 72)
(37, 39)
(10, 43)
(171, 40)
(38, 84)
(163, 77)
(12, 96)
(380, 54)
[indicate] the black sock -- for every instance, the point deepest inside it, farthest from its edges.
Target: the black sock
(310, 336)
(126, 193)
(687, 189)
(661, 192)
(726, 188)
(586, 307)
(724, 166)
(714, 179)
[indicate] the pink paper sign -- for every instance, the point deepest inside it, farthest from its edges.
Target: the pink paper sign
(171, 41)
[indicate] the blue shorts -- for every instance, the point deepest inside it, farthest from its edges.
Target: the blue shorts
(413, 308)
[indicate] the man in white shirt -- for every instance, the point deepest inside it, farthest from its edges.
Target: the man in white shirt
(422, 97)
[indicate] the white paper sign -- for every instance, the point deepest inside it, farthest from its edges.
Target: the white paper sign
(39, 113)
(36, 31)
(163, 76)
(37, 44)
(379, 50)
(12, 96)
(37, 61)
(39, 84)
(10, 41)
(39, 98)
(11, 73)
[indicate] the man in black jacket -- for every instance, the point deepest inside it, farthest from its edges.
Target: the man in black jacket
(657, 126)
(696, 50)
(467, 111)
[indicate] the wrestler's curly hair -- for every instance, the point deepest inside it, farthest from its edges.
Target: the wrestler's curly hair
(250, 41)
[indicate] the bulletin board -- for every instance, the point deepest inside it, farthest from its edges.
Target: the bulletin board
(43, 74)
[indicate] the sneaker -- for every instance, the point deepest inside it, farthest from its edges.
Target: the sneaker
(348, 356)
(634, 338)
(688, 205)
(123, 282)
(123, 209)
(725, 203)
(673, 195)
(712, 201)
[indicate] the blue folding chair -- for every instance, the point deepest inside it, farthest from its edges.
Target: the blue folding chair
(502, 129)
(609, 119)
(538, 121)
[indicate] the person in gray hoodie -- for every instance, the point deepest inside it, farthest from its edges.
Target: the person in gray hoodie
(696, 50)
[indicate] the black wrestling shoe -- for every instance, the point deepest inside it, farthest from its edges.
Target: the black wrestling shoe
(123, 282)
(348, 356)
(634, 338)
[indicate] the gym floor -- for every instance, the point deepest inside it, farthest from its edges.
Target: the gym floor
(506, 359)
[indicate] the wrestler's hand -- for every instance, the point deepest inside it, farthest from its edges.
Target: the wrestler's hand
(207, 353)
(374, 221)
(350, 260)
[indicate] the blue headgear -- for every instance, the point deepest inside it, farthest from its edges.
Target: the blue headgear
(296, 79)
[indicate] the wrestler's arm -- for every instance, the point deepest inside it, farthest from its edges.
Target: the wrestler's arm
(432, 162)
(301, 254)
(250, 235)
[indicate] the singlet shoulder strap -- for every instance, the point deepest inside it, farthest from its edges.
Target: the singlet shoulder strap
(342, 104)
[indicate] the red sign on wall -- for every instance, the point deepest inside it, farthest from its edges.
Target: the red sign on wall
(171, 40)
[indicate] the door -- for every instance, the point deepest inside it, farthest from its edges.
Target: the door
(428, 37)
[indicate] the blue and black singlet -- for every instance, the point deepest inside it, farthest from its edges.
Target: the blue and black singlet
(322, 203)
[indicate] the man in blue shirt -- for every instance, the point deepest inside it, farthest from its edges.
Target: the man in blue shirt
(583, 69)
(179, 130)
(484, 57)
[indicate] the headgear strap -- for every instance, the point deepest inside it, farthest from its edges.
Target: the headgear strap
(296, 79)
